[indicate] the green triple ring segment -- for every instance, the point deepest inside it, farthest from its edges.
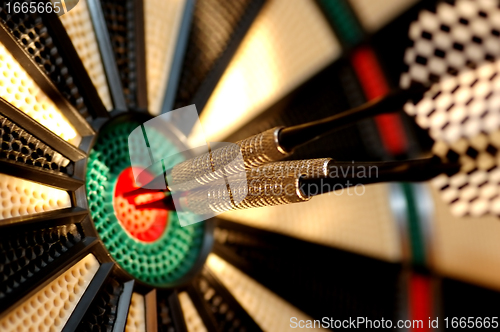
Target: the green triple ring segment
(157, 263)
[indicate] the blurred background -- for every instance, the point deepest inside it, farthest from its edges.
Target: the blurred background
(395, 252)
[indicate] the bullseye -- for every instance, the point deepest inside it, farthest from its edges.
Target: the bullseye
(143, 224)
(141, 232)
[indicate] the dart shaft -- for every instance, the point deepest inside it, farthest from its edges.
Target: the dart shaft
(269, 185)
(292, 137)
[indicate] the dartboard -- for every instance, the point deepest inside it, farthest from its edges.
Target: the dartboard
(78, 254)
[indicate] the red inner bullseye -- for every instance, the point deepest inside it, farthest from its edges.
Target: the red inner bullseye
(144, 224)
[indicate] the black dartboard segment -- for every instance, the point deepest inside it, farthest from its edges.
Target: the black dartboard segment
(217, 307)
(102, 313)
(321, 281)
(19, 145)
(169, 313)
(217, 28)
(125, 27)
(25, 256)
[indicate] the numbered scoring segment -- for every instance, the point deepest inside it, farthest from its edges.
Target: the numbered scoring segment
(35, 7)
(471, 322)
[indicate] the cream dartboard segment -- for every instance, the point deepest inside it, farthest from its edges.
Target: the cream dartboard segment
(340, 223)
(463, 250)
(17, 88)
(22, 197)
(162, 22)
(193, 320)
(374, 14)
(51, 307)
(136, 319)
(284, 47)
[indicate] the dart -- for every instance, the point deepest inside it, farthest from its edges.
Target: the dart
(164, 202)
(278, 143)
